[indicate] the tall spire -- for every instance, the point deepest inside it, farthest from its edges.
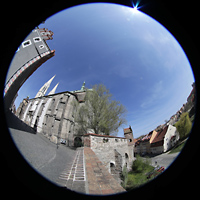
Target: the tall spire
(83, 86)
(53, 90)
(44, 88)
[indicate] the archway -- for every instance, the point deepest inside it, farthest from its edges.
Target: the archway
(78, 142)
(112, 168)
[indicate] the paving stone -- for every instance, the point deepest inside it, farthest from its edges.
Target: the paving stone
(100, 181)
(74, 175)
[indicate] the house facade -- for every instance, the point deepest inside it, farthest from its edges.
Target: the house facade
(171, 138)
(157, 142)
(164, 140)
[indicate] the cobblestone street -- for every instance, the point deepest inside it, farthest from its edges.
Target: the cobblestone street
(73, 176)
(76, 169)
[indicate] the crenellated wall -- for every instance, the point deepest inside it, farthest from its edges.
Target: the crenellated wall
(113, 152)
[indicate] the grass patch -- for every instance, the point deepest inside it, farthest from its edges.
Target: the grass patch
(178, 148)
(135, 180)
(137, 176)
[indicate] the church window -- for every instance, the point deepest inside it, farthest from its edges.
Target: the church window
(37, 39)
(26, 43)
(60, 105)
(43, 89)
(52, 104)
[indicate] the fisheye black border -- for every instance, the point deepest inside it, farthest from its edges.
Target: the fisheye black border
(179, 179)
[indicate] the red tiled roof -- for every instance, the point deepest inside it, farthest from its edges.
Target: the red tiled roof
(127, 130)
(190, 94)
(172, 137)
(135, 140)
(160, 135)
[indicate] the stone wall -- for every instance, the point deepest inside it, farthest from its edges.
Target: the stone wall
(113, 152)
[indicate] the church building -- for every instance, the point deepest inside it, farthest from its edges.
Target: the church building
(52, 114)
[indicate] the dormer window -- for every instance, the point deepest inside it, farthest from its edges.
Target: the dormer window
(37, 39)
(26, 43)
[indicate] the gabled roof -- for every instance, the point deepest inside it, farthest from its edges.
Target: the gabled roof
(160, 135)
(147, 137)
(81, 96)
(127, 130)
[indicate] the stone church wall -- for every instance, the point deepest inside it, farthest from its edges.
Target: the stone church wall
(52, 116)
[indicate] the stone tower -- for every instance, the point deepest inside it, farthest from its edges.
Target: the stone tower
(128, 134)
(44, 88)
(53, 90)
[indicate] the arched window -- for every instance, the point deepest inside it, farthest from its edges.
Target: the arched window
(112, 168)
(52, 104)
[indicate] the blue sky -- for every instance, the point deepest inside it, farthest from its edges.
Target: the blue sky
(134, 56)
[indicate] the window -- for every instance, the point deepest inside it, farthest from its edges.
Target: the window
(112, 168)
(41, 46)
(43, 89)
(126, 155)
(112, 164)
(26, 43)
(37, 39)
(105, 140)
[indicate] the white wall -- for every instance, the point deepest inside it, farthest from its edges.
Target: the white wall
(41, 118)
(171, 131)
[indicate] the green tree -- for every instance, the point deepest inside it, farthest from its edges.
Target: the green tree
(100, 112)
(140, 165)
(184, 125)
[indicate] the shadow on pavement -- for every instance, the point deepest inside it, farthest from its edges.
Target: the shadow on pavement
(15, 123)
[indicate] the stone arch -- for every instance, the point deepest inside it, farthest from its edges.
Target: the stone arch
(78, 142)
(112, 168)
